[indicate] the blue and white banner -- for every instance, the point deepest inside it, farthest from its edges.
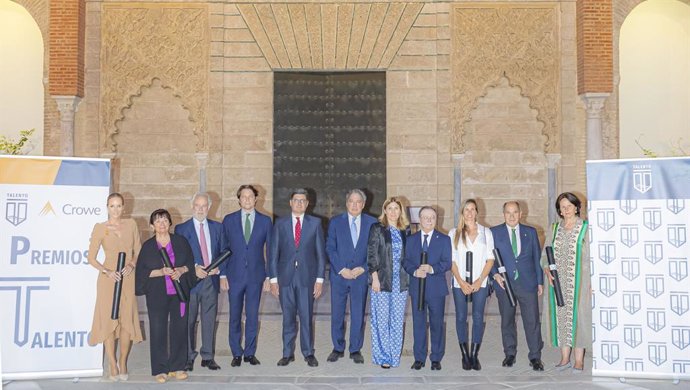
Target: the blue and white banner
(639, 213)
(48, 207)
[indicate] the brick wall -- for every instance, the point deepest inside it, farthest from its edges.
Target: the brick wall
(66, 42)
(594, 46)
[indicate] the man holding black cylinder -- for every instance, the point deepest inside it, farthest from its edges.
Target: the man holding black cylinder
(429, 286)
(206, 239)
(518, 245)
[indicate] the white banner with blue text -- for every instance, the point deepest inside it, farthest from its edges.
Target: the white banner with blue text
(47, 288)
(639, 213)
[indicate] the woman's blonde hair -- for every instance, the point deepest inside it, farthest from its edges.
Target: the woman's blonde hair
(461, 230)
(402, 221)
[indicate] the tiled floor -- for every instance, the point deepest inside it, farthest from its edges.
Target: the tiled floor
(344, 374)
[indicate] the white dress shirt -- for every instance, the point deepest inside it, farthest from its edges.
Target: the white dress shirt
(207, 234)
(517, 237)
(482, 251)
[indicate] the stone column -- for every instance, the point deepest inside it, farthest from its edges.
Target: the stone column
(457, 185)
(202, 162)
(552, 160)
(594, 103)
(67, 105)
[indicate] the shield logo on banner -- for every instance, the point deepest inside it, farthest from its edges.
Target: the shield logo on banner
(656, 319)
(655, 285)
(606, 219)
(675, 205)
(630, 235)
(678, 268)
(632, 335)
(632, 301)
(642, 180)
(610, 351)
(680, 335)
(630, 268)
(627, 206)
(594, 332)
(608, 317)
(680, 302)
(634, 365)
(658, 353)
(651, 218)
(16, 210)
(677, 235)
(608, 285)
(681, 366)
(653, 251)
(607, 251)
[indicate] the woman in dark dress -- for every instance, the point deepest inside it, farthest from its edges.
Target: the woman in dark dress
(166, 311)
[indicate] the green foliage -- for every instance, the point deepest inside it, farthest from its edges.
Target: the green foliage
(9, 146)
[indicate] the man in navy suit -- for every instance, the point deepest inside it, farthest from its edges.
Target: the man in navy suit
(297, 265)
(247, 234)
(518, 245)
(206, 239)
(347, 250)
(438, 249)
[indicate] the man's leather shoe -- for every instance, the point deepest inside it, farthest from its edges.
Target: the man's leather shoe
(357, 357)
(189, 366)
(251, 360)
(536, 364)
(334, 356)
(311, 361)
(509, 361)
(435, 366)
(284, 361)
(417, 365)
(236, 361)
(211, 364)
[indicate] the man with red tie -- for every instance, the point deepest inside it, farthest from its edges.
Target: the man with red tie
(297, 264)
(206, 239)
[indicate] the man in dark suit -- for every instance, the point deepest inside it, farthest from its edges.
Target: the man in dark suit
(247, 234)
(347, 250)
(206, 239)
(296, 267)
(518, 245)
(438, 248)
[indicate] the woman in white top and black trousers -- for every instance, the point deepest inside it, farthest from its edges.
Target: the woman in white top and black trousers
(470, 236)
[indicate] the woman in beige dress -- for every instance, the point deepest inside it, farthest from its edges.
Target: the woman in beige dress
(570, 326)
(115, 236)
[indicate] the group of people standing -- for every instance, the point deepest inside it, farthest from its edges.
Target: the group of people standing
(372, 257)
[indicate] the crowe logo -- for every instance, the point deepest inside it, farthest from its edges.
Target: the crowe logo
(47, 209)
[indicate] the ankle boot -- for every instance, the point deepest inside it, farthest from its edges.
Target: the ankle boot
(466, 359)
(475, 357)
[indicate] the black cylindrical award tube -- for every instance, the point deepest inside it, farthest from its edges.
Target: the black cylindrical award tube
(422, 283)
(218, 261)
(468, 273)
(176, 283)
(554, 273)
(117, 291)
(506, 281)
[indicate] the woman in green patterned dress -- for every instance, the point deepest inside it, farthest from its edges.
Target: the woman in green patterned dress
(571, 325)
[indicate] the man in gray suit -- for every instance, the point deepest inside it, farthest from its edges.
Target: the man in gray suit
(206, 239)
(518, 245)
(296, 267)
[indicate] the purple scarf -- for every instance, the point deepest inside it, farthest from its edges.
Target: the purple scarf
(169, 288)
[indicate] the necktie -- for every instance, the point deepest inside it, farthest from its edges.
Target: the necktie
(425, 244)
(513, 242)
(353, 232)
(247, 229)
(513, 239)
(298, 232)
(202, 243)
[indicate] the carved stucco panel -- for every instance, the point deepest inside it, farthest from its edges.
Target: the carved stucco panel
(143, 42)
(520, 42)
